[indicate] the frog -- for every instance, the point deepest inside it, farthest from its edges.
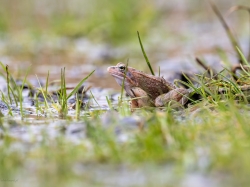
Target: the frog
(147, 90)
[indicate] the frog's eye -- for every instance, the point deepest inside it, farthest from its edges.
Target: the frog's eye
(122, 68)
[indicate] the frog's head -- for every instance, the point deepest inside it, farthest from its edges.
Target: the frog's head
(124, 76)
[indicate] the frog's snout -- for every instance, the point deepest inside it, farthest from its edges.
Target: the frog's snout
(109, 69)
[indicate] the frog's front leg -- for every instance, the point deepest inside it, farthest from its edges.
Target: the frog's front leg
(179, 95)
(140, 98)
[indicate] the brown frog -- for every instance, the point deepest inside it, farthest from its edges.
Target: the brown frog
(148, 90)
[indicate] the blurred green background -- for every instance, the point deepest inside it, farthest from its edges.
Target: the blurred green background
(99, 32)
(109, 21)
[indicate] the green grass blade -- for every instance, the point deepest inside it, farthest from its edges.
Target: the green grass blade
(21, 91)
(144, 54)
(45, 98)
(123, 81)
(47, 82)
(109, 102)
(8, 83)
(63, 92)
(242, 7)
(79, 85)
(243, 58)
(229, 33)
(94, 98)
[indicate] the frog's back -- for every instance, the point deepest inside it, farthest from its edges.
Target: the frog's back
(154, 85)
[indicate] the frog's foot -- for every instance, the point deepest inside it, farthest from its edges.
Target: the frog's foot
(179, 95)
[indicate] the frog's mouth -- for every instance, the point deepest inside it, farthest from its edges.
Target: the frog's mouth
(122, 80)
